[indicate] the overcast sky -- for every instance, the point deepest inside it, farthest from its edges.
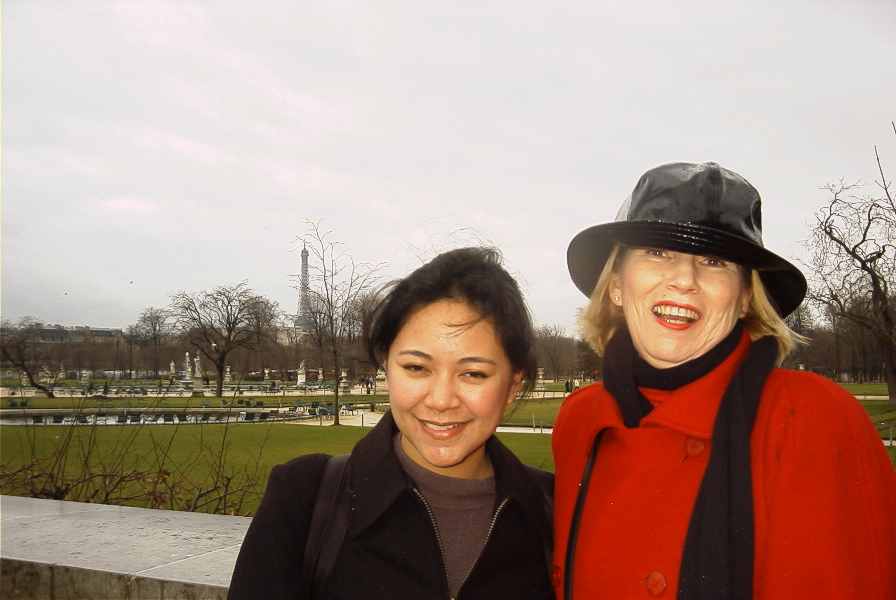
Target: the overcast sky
(149, 147)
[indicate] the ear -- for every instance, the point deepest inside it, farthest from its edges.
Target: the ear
(516, 385)
(745, 296)
(614, 290)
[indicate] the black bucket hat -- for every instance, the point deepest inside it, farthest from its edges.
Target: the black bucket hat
(694, 208)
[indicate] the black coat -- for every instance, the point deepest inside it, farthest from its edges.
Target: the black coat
(390, 549)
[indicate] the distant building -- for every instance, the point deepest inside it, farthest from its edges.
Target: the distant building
(78, 333)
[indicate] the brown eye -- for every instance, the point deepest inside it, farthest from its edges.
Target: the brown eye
(475, 374)
(714, 261)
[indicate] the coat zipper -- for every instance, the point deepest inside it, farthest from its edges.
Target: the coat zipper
(488, 535)
(435, 527)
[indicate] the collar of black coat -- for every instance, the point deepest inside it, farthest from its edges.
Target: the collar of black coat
(377, 479)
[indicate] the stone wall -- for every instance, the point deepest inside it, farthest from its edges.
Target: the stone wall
(72, 550)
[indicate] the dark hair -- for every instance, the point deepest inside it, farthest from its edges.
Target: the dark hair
(474, 275)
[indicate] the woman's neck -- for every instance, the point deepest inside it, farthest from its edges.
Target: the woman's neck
(683, 374)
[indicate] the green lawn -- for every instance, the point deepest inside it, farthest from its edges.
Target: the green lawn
(877, 407)
(532, 449)
(543, 411)
(191, 448)
(866, 389)
(252, 449)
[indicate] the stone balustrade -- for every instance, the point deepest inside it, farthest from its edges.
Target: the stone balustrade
(72, 550)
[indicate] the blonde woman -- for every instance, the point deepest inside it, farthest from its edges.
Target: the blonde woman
(698, 469)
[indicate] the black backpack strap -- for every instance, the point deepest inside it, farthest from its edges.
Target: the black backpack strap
(329, 522)
(546, 485)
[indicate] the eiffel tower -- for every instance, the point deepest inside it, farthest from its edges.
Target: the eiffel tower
(303, 322)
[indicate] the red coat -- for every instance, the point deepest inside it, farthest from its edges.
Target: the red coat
(824, 491)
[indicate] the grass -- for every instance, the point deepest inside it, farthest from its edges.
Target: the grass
(281, 443)
(866, 389)
(542, 411)
(532, 449)
(877, 408)
(278, 442)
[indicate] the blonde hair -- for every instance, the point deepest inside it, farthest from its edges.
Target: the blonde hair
(601, 317)
(762, 319)
(599, 320)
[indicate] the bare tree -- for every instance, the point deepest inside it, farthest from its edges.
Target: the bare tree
(132, 338)
(287, 347)
(152, 326)
(264, 316)
(588, 363)
(217, 322)
(21, 347)
(853, 262)
(362, 307)
(800, 321)
(313, 329)
(337, 285)
(555, 349)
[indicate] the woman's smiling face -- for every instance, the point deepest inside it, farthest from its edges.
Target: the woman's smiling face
(449, 384)
(677, 306)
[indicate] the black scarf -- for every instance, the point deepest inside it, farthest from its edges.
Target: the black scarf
(717, 562)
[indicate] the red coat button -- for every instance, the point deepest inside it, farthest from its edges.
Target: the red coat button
(695, 446)
(656, 583)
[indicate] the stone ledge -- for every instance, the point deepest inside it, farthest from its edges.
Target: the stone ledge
(29, 580)
(68, 550)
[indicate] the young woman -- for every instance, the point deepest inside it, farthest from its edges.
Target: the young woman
(439, 508)
(698, 469)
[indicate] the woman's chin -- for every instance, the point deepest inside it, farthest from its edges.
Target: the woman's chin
(453, 461)
(665, 356)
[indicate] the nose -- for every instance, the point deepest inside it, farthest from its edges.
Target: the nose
(442, 394)
(683, 277)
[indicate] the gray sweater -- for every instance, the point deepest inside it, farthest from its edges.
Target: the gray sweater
(463, 509)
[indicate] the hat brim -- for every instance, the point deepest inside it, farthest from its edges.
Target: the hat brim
(589, 249)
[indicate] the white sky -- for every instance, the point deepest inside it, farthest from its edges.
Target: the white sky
(181, 146)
